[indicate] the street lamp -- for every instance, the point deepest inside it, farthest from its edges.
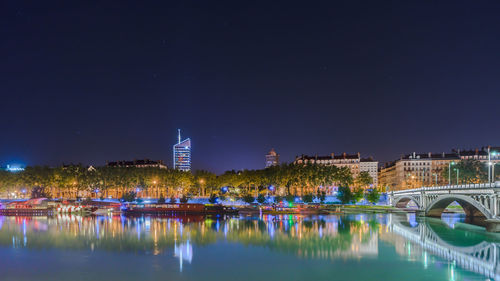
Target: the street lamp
(449, 171)
(491, 166)
(202, 190)
(458, 171)
(156, 188)
(436, 177)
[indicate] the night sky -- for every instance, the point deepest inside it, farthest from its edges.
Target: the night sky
(88, 82)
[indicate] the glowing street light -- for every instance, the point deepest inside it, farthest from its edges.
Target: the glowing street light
(449, 171)
(491, 166)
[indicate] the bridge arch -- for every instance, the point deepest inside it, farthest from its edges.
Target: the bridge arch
(472, 208)
(402, 201)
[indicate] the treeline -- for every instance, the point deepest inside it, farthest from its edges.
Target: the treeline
(79, 181)
(469, 171)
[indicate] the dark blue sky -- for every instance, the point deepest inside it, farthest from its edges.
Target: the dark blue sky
(84, 82)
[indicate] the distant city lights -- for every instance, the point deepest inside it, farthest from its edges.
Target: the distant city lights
(14, 168)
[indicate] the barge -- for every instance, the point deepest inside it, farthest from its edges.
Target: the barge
(32, 207)
(182, 208)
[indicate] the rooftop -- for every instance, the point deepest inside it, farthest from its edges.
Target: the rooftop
(135, 162)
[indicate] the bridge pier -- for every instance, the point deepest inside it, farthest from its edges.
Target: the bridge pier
(420, 213)
(492, 225)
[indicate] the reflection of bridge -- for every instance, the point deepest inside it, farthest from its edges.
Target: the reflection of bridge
(482, 258)
(477, 200)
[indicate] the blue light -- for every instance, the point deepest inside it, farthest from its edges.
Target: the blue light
(14, 168)
(224, 189)
(271, 187)
(137, 190)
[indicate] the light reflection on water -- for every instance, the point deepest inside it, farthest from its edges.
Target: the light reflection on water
(351, 246)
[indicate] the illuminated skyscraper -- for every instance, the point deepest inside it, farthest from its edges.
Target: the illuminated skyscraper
(182, 154)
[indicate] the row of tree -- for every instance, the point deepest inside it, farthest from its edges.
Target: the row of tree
(79, 181)
(469, 171)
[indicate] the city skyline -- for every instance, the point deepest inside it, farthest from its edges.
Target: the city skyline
(17, 166)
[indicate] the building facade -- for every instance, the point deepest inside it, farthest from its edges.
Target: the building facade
(354, 162)
(272, 158)
(182, 154)
(416, 170)
(144, 163)
(425, 169)
(371, 167)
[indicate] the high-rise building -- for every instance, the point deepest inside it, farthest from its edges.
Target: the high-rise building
(272, 158)
(182, 154)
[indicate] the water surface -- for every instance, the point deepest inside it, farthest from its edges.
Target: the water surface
(350, 247)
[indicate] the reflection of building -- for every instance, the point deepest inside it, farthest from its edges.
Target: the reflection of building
(145, 163)
(354, 162)
(182, 154)
(184, 252)
(272, 158)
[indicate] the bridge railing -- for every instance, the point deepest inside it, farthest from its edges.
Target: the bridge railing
(450, 187)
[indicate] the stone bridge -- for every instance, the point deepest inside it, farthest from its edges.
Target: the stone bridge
(481, 202)
(482, 258)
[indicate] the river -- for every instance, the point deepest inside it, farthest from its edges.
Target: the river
(334, 247)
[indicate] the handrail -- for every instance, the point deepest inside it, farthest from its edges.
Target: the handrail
(449, 187)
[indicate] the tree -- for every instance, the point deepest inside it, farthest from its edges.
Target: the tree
(307, 198)
(173, 200)
(322, 196)
(40, 192)
(357, 194)
(261, 199)
(213, 198)
(373, 196)
(290, 198)
(184, 199)
(248, 199)
(203, 181)
(129, 196)
(468, 171)
(161, 200)
(363, 179)
(344, 194)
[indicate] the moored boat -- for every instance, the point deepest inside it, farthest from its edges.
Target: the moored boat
(32, 207)
(74, 209)
(181, 208)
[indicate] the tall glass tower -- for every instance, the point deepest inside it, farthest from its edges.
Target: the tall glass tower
(182, 154)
